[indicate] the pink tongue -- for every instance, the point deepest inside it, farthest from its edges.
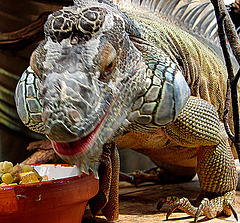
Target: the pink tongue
(75, 147)
(79, 146)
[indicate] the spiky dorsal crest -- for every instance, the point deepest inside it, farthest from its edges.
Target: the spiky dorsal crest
(192, 15)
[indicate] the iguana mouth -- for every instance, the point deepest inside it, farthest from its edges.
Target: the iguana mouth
(81, 145)
(76, 147)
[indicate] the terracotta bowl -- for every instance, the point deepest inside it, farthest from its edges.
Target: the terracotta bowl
(61, 200)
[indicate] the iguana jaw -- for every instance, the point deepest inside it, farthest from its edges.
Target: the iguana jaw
(80, 146)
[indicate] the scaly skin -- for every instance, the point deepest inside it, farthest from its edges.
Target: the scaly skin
(104, 77)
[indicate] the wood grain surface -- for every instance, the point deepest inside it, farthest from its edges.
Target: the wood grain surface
(138, 205)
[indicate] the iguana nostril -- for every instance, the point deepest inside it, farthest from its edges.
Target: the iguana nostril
(74, 116)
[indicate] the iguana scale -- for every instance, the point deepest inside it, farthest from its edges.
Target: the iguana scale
(131, 76)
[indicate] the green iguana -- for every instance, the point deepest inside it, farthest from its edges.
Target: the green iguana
(131, 76)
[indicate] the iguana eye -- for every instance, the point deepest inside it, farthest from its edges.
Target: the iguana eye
(107, 73)
(107, 62)
(110, 67)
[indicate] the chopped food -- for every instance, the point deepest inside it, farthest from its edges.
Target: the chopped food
(6, 167)
(26, 168)
(7, 178)
(18, 174)
(28, 177)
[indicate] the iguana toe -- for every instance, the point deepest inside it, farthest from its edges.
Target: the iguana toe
(204, 206)
(209, 208)
(172, 209)
(233, 211)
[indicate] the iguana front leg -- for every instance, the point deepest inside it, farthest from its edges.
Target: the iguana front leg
(198, 126)
(106, 200)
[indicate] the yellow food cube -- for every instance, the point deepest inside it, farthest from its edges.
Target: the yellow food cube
(28, 177)
(7, 178)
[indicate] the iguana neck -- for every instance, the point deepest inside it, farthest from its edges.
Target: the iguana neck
(196, 60)
(165, 87)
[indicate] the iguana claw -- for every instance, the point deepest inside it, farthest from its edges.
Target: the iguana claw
(175, 203)
(209, 208)
(172, 209)
(204, 204)
(183, 204)
(171, 200)
(229, 204)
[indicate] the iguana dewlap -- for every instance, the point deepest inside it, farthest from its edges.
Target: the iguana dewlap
(103, 75)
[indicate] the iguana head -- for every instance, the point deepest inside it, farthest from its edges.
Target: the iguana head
(90, 73)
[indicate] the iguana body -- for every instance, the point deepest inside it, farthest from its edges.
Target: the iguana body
(205, 74)
(99, 76)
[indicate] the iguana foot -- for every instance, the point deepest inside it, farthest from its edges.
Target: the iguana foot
(126, 177)
(138, 177)
(157, 175)
(209, 208)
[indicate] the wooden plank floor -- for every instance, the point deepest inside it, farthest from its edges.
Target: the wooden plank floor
(138, 205)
